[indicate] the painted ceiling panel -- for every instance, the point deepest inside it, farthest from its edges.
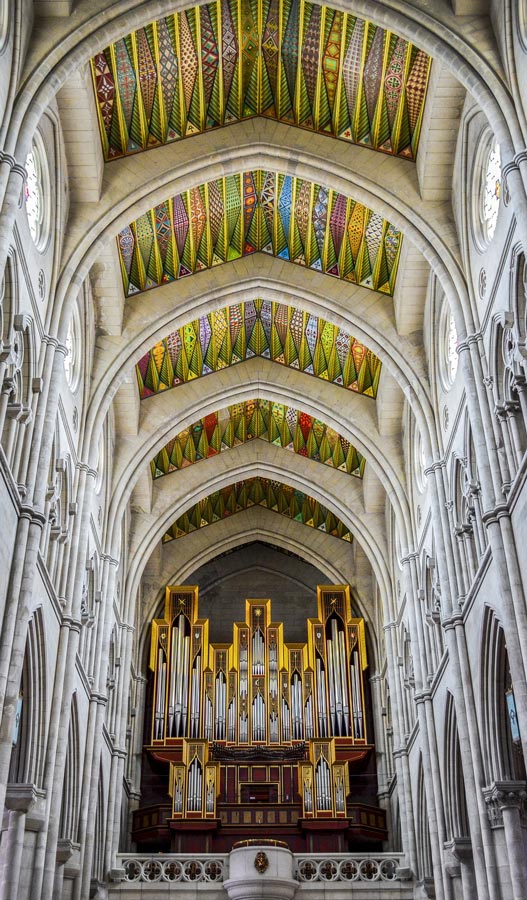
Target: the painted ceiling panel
(273, 495)
(272, 330)
(273, 422)
(232, 217)
(300, 63)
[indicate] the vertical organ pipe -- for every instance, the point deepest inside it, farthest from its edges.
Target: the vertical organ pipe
(344, 683)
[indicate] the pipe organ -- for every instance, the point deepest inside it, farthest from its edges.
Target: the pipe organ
(259, 732)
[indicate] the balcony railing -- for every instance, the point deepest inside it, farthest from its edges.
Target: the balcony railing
(214, 868)
(348, 867)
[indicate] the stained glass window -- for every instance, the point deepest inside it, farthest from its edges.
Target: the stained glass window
(492, 190)
(33, 192)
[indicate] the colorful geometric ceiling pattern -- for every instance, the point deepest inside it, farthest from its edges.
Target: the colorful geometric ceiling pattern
(273, 330)
(274, 495)
(298, 62)
(273, 422)
(235, 216)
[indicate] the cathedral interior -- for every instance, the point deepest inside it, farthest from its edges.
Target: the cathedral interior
(263, 449)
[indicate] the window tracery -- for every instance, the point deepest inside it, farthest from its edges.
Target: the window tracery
(491, 191)
(448, 355)
(487, 189)
(37, 193)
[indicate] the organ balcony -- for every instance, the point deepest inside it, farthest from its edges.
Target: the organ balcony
(260, 735)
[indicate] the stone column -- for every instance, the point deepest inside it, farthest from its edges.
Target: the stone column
(506, 805)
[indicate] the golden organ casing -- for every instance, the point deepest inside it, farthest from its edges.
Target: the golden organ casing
(259, 732)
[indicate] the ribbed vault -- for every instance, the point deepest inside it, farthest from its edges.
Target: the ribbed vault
(216, 64)
(255, 195)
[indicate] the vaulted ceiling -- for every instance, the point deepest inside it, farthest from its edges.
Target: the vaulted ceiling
(297, 62)
(209, 290)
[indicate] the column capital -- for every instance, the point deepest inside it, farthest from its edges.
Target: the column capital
(501, 795)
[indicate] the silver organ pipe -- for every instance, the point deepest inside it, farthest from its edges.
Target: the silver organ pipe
(209, 795)
(344, 682)
(286, 726)
(339, 792)
(179, 675)
(274, 736)
(323, 785)
(333, 650)
(171, 689)
(208, 718)
(231, 721)
(195, 777)
(178, 794)
(244, 728)
(244, 671)
(308, 717)
(356, 697)
(195, 697)
(160, 695)
(331, 687)
(244, 689)
(321, 698)
(273, 670)
(184, 685)
(258, 653)
(308, 795)
(296, 707)
(258, 717)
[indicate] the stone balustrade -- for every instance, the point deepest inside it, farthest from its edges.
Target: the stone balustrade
(381, 868)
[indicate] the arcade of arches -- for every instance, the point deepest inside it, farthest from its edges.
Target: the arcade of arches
(263, 340)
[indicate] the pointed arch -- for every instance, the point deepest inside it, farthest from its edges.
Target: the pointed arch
(29, 738)
(503, 754)
(457, 821)
(71, 788)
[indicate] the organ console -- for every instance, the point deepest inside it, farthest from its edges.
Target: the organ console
(260, 732)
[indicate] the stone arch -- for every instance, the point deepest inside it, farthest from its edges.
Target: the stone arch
(28, 753)
(71, 788)
(424, 847)
(503, 756)
(99, 830)
(456, 813)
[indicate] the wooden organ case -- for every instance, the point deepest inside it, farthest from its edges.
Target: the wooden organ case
(258, 737)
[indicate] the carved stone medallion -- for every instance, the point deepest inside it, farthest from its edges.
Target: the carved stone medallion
(261, 862)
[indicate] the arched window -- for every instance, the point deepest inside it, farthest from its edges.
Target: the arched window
(37, 193)
(503, 747)
(491, 190)
(457, 820)
(487, 190)
(447, 349)
(29, 732)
